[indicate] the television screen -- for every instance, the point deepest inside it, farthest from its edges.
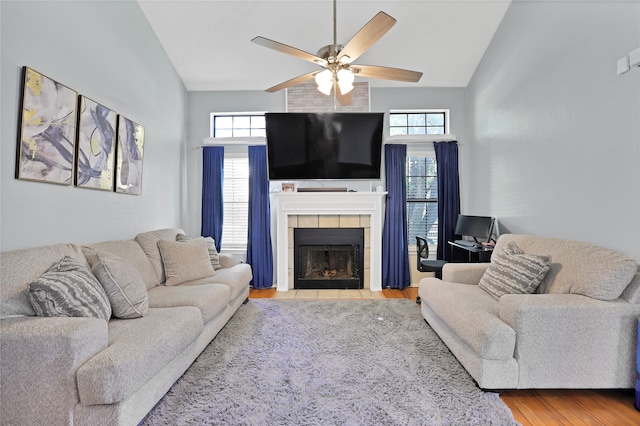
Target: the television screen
(474, 226)
(304, 146)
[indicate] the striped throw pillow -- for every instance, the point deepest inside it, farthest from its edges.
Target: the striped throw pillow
(514, 272)
(69, 289)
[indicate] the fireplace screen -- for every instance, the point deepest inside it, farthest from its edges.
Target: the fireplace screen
(328, 258)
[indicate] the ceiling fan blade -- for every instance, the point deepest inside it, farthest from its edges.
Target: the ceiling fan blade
(294, 81)
(386, 73)
(283, 48)
(367, 36)
(345, 99)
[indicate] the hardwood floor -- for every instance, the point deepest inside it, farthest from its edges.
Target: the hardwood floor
(547, 407)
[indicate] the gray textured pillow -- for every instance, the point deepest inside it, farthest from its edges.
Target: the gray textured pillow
(68, 289)
(122, 282)
(514, 272)
(185, 261)
(214, 256)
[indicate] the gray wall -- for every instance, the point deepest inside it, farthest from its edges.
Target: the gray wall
(107, 52)
(201, 104)
(453, 99)
(554, 132)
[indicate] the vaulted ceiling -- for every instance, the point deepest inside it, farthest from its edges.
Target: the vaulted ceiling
(209, 42)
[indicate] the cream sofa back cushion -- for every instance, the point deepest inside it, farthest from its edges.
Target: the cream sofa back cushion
(19, 267)
(149, 243)
(121, 281)
(577, 267)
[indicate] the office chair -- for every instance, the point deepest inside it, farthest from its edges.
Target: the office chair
(424, 264)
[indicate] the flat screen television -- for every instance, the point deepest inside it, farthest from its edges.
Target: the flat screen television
(343, 146)
(474, 226)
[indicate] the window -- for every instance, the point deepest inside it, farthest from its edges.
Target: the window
(423, 122)
(236, 200)
(422, 180)
(235, 128)
(227, 125)
(422, 197)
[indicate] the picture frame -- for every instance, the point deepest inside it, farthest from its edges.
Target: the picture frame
(96, 146)
(47, 130)
(129, 156)
(288, 187)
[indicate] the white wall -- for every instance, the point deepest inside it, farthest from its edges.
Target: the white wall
(555, 133)
(107, 51)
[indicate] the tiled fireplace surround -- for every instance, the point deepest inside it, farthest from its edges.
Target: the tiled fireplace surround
(328, 210)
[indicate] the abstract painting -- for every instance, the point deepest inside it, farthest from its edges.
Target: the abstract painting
(96, 146)
(47, 130)
(129, 156)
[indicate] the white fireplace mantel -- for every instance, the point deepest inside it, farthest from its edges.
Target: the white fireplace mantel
(328, 203)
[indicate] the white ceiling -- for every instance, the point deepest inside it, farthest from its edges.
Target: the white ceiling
(209, 42)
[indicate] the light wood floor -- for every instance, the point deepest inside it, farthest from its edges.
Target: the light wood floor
(547, 407)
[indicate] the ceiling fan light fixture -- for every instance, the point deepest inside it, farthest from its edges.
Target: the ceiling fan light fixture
(324, 80)
(345, 60)
(345, 80)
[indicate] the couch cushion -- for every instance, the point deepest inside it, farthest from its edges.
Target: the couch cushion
(237, 278)
(69, 289)
(578, 267)
(138, 349)
(513, 272)
(133, 253)
(214, 256)
(472, 314)
(149, 243)
(632, 293)
(211, 299)
(185, 261)
(19, 267)
(121, 281)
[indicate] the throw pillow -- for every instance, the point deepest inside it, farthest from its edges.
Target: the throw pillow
(514, 273)
(122, 282)
(214, 256)
(185, 261)
(68, 289)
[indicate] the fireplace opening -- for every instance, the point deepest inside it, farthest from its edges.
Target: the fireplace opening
(328, 258)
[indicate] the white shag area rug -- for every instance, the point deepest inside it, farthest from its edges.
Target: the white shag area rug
(328, 362)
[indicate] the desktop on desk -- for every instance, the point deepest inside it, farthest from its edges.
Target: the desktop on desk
(470, 252)
(478, 228)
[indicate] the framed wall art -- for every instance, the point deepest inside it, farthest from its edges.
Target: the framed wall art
(47, 130)
(96, 146)
(130, 150)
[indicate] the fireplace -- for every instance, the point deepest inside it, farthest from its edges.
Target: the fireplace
(328, 258)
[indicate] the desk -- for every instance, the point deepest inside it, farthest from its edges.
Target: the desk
(474, 254)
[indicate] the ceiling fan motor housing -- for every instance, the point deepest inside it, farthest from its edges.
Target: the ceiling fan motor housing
(330, 52)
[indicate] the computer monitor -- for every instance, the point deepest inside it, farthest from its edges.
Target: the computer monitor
(474, 226)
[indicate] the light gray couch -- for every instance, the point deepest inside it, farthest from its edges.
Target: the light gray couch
(578, 330)
(87, 371)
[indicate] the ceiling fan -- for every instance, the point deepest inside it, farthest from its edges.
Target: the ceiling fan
(337, 60)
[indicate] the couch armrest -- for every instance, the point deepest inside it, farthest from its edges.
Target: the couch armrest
(464, 273)
(228, 260)
(39, 358)
(572, 340)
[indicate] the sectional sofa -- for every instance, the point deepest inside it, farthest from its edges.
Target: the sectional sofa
(115, 358)
(545, 313)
